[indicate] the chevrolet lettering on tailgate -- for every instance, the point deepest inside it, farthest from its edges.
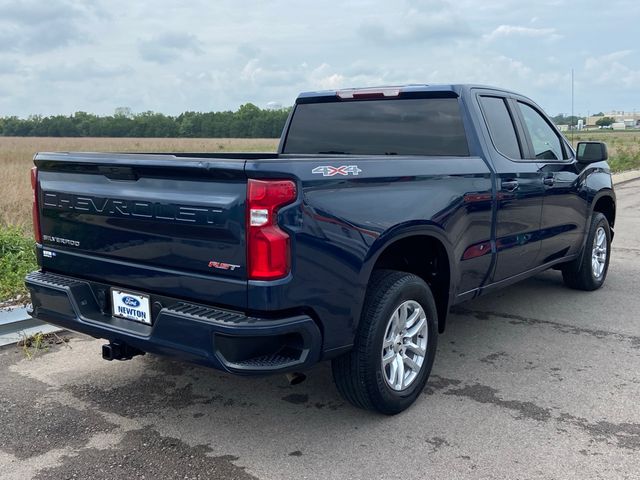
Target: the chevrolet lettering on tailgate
(130, 208)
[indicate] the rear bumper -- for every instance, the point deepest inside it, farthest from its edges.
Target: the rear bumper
(221, 339)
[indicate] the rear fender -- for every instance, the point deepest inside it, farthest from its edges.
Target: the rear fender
(400, 232)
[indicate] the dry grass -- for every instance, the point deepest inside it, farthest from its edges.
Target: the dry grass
(16, 154)
(623, 146)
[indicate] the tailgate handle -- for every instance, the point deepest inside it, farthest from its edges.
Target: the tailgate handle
(118, 173)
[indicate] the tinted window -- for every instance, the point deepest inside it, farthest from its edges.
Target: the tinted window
(501, 126)
(423, 126)
(546, 143)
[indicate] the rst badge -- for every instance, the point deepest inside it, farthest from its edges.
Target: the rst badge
(330, 171)
(223, 265)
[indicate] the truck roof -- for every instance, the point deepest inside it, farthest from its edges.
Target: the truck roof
(394, 90)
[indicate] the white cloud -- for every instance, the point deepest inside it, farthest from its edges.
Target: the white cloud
(169, 46)
(326, 78)
(593, 63)
(31, 27)
(503, 31)
(77, 72)
(424, 21)
(611, 70)
(333, 81)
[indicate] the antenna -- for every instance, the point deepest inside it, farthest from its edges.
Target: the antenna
(573, 130)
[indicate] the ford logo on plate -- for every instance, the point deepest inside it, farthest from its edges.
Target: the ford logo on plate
(130, 301)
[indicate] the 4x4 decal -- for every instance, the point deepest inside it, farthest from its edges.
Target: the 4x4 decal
(330, 171)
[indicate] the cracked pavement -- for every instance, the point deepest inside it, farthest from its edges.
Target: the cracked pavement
(534, 381)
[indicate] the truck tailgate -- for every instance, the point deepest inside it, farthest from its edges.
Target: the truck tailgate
(173, 222)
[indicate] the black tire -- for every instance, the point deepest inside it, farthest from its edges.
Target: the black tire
(579, 274)
(359, 375)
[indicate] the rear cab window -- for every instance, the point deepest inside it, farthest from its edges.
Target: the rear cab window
(398, 126)
(501, 127)
(536, 140)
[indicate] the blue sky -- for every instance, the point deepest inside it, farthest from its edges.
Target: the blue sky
(60, 56)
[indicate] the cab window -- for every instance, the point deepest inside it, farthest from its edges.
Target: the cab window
(546, 142)
(500, 125)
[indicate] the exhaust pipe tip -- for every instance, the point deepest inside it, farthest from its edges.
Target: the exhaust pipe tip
(295, 378)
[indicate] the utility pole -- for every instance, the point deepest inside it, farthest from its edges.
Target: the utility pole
(572, 113)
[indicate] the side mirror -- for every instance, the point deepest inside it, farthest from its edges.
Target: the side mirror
(591, 152)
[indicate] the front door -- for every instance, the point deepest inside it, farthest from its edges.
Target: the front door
(564, 210)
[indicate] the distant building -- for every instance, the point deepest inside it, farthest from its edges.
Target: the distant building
(618, 126)
(629, 119)
(563, 128)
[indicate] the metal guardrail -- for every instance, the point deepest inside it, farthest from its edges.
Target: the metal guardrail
(16, 324)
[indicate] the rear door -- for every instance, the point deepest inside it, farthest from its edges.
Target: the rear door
(564, 210)
(519, 189)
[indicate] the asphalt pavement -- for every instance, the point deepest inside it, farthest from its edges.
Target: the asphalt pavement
(535, 381)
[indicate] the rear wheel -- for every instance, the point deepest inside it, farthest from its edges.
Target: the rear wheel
(590, 272)
(395, 345)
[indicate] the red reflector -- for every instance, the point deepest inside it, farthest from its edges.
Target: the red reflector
(268, 252)
(477, 250)
(368, 95)
(35, 213)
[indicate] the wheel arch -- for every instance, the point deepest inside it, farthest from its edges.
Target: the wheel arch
(605, 203)
(403, 248)
(604, 199)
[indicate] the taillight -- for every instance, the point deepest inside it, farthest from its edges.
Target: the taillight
(35, 213)
(268, 250)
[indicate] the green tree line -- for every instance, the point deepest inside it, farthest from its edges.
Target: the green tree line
(561, 119)
(248, 121)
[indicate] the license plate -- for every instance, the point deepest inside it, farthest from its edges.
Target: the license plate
(129, 305)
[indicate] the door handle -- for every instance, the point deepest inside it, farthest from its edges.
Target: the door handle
(509, 185)
(549, 181)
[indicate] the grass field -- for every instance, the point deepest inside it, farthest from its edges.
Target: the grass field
(624, 146)
(17, 258)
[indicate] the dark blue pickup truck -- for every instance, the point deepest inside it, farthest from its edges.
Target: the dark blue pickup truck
(382, 208)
